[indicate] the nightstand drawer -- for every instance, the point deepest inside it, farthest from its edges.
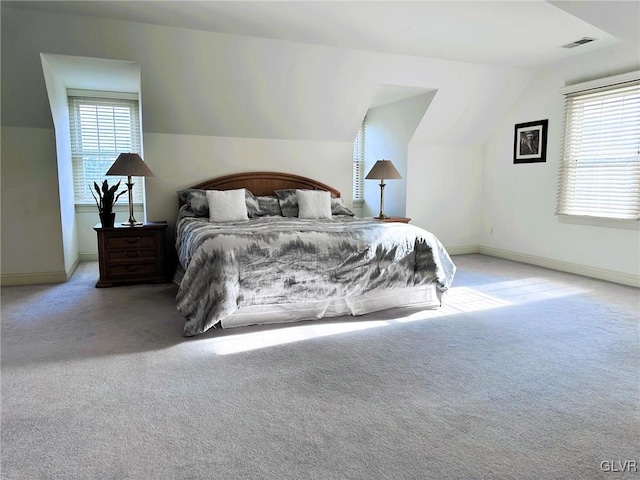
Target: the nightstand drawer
(134, 270)
(131, 256)
(130, 241)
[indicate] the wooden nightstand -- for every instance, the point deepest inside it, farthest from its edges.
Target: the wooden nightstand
(393, 219)
(131, 254)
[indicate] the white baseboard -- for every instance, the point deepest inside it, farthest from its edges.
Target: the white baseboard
(587, 271)
(39, 278)
(462, 250)
(16, 279)
(72, 267)
(88, 257)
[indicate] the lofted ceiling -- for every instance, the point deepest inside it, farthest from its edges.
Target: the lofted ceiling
(503, 33)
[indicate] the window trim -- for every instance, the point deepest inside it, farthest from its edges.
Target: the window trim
(96, 96)
(599, 221)
(118, 207)
(601, 82)
(567, 91)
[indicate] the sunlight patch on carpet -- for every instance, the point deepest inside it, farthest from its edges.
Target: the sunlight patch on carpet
(532, 289)
(243, 342)
(458, 300)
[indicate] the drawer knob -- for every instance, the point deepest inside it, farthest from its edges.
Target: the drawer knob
(131, 254)
(134, 268)
(131, 240)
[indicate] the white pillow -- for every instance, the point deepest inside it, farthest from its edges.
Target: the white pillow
(314, 204)
(227, 205)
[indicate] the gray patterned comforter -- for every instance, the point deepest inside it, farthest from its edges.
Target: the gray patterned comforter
(273, 260)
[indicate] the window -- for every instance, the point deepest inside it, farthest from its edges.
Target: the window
(358, 164)
(600, 167)
(101, 129)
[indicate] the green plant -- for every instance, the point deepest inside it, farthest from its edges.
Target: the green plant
(107, 196)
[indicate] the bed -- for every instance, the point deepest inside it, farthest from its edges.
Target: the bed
(283, 261)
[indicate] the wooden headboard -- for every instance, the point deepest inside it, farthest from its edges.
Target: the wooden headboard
(264, 183)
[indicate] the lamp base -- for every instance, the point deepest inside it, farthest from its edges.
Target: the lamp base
(382, 216)
(130, 224)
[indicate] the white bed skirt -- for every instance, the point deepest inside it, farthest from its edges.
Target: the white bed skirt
(418, 297)
(423, 297)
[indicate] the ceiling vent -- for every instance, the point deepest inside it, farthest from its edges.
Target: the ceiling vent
(577, 43)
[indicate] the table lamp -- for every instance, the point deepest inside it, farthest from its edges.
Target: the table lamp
(130, 164)
(381, 170)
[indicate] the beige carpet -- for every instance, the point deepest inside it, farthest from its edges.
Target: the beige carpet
(525, 373)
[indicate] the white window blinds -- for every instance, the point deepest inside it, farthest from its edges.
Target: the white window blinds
(101, 129)
(358, 164)
(600, 167)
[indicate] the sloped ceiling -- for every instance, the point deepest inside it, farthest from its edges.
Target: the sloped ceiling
(311, 79)
(618, 18)
(508, 33)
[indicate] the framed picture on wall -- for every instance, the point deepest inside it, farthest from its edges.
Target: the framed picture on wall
(530, 142)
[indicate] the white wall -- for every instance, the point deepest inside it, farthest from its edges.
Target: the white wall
(519, 200)
(57, 93)
(215, 104)
(191, 159)
(450, 209)
(389, 131)
(32, 242)
(61, 73)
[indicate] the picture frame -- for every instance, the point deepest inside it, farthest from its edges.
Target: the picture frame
(530, 142)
